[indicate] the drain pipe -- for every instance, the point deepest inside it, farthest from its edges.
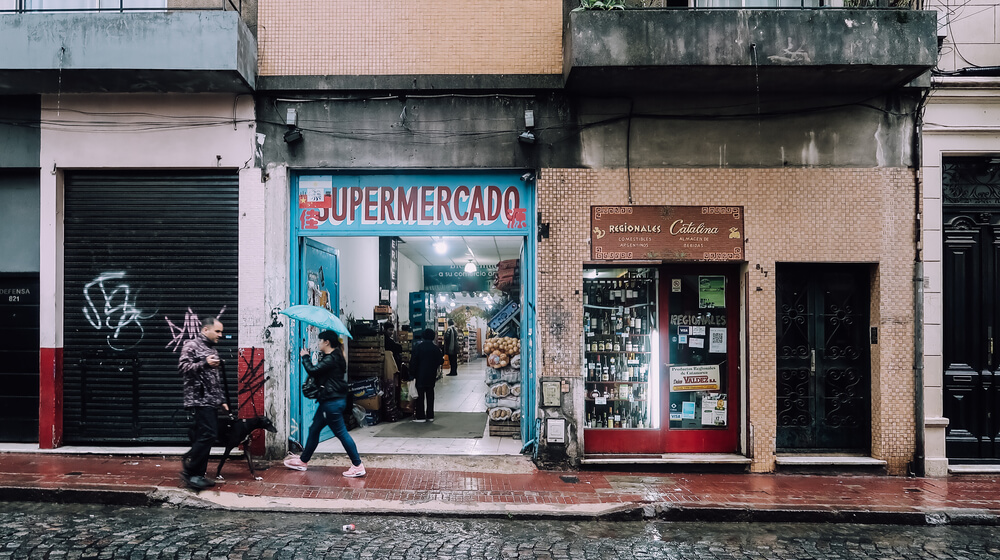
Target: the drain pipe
(918, 364)
(918, 294)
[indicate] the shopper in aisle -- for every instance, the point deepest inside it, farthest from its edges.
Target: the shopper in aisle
(425, 359)
(451, 347)
(330, 372)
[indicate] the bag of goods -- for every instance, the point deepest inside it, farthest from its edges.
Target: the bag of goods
(500, 390)
(500, 414)
(508, 374)
(515, 390)
(515, 416)
(499, 350)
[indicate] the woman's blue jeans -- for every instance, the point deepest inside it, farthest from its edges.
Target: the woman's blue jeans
(330, 413)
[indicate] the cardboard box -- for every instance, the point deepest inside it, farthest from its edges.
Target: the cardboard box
(370, 403)
(364, 388)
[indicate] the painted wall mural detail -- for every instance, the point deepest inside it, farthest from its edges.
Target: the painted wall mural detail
(189, 328)
(112, 306)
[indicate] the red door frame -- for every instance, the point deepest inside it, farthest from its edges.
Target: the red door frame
(708, 440)
(663, 439)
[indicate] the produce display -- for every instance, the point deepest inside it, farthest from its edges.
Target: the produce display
(501, 350)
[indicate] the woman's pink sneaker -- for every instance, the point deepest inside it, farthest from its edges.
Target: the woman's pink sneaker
(295, 463)
(355, 472)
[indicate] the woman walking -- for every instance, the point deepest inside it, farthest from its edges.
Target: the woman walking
(330, 371)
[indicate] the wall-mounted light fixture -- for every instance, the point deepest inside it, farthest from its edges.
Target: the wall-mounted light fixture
(528, 137)
(293, 134)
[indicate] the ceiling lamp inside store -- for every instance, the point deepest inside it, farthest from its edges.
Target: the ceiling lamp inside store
(470, 267)
(440, 247)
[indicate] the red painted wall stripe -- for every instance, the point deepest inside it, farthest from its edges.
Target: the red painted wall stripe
(251, 391)
(50, 398)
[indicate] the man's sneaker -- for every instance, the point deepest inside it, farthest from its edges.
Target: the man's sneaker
(196, 482)
(419, 420)
(355, 472)
(293, 462)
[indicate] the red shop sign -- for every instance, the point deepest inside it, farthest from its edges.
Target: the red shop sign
(671, 233)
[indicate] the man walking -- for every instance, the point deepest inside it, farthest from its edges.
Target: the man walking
(451, 346)
(425, 359)
(199, 365)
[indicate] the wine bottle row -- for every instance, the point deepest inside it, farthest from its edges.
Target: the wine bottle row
(616, 292)
(633, 368)
(618, 415)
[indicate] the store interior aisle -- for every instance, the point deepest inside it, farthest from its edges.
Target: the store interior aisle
(465, 392)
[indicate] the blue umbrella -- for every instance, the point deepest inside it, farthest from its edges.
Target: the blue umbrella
(318, 317)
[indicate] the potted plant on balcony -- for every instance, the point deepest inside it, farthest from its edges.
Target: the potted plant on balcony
(602, 5)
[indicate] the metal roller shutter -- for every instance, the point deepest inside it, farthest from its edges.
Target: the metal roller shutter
(147, 256)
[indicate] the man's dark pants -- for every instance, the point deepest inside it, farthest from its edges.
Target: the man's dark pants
(424, 395)
(203, 435)
(453, 362)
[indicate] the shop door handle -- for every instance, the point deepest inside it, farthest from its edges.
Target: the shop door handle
(812, 362)
(989, 351)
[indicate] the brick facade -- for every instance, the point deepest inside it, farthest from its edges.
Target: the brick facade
(386, 37)
(791, 215)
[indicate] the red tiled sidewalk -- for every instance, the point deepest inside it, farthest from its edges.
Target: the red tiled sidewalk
(589, 494)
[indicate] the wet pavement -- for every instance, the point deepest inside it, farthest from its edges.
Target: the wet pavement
(505, 488)
(71, 531)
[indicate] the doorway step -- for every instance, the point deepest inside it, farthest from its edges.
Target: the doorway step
(832, 464)
(993, 469)
(702, 462)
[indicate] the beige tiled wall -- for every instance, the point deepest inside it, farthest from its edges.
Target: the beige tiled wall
(791, 215)
(392, 37)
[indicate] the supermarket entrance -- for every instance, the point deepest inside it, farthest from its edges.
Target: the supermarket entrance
(409, 260)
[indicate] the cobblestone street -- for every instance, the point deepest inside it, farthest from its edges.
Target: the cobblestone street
(39, 530)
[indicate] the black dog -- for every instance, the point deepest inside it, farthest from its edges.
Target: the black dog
(238, 433)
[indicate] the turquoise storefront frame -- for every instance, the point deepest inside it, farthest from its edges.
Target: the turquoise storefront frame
(485, 203)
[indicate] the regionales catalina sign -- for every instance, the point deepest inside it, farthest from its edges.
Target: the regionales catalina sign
(673, 233)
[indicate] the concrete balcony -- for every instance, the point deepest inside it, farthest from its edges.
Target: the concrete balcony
(130, 52)
(743, 50)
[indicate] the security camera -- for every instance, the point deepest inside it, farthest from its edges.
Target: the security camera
(528, 176)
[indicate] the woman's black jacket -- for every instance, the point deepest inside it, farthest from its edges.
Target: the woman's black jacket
(330, 371)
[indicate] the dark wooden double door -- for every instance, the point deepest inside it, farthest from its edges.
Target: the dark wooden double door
(971, 325)
(823, 364)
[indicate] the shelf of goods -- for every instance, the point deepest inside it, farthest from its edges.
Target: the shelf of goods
(619, 319)
(366, 356)
(463, 348)
(503, 380)
(421, 311)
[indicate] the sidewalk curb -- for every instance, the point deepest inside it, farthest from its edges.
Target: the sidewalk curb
(140, 496)
(181, 498)
(863, 517)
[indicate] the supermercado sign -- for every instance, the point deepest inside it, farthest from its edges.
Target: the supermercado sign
(412, 203)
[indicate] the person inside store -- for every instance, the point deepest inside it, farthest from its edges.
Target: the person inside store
(200, 367)
(330, 372)
(451, 347)
(388, 335)
(425, 359)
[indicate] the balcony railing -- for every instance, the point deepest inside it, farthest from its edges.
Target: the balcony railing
(71, 6)
(754, 4)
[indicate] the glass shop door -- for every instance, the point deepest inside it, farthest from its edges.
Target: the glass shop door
(699, 310)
